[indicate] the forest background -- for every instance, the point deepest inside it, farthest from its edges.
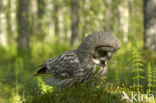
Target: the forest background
(32, 31)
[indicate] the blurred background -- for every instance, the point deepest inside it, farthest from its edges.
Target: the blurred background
(32, 31)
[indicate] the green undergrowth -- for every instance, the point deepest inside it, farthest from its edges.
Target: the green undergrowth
(78, 95)
(88, 92)
(18, 83)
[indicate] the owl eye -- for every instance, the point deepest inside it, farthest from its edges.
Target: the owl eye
(102, 53)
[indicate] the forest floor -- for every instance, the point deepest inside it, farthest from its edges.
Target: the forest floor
(19, 85)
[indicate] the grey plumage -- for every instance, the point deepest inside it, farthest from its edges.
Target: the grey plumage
(76, 66)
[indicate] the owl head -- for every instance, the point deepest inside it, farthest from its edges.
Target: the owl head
(98, 48)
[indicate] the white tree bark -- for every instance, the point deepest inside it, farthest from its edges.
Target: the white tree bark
(124, 19)
(3, 21)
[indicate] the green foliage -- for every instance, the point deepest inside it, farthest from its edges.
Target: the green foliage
(137, 70)
(149, 77)
(16, 98)
(17, 81)
(82, 94)
(154, 81)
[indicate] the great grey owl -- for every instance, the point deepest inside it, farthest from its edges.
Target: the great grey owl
(76, 66)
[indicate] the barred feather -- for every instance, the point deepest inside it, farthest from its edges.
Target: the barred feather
(76, 66)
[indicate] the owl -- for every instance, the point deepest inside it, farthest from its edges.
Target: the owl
(76, 66)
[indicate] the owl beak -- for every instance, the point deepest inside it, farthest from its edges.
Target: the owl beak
(103, 63)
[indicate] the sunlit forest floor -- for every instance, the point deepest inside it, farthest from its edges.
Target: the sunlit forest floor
(18, 83)
(131, 70)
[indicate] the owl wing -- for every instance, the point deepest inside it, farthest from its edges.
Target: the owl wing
(63, 66)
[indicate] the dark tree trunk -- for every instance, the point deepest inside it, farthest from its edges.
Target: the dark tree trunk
(55, 15)
(41, 8)
(9, 28)
(41, 14)
(23, 26)
(108, 16)
(1, 5)
(74, 21)
(150, 24)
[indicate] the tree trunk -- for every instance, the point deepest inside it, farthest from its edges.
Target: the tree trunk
(3, 24)
(41, 8)
(74, 22)
(9, 28)
(108, 16)
(124, 19)
(55, 15)
(41, 17)
(150, 24)
(23, 26)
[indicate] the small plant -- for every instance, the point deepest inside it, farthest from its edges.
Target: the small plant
(154, 81)
(149, 78)
(44, 87)
(18, 65)
(137, 68)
